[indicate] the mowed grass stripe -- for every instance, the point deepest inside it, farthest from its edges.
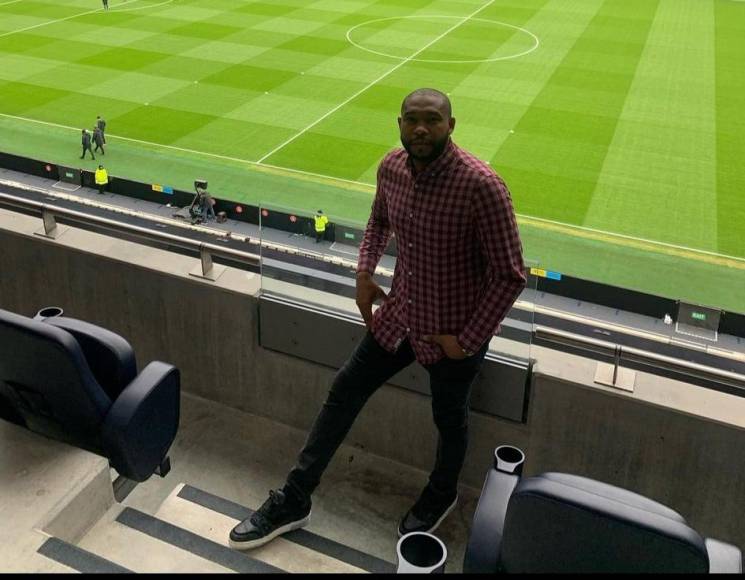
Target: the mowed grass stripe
(498, 107)
(230, 178)
(478, 120)
(659, 176)
(268, 156)
(554, 158)
(730, 99)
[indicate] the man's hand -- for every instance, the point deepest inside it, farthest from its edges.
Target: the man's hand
(448, 343)
(367, 293)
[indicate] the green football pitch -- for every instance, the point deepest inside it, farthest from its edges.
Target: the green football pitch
(619, 125)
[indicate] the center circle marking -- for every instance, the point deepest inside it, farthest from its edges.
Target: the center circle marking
(536, 41)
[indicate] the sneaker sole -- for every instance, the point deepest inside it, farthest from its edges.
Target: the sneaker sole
(249, 545)
(436, 524)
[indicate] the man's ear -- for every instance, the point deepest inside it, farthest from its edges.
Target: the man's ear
(452, 125)
(399, 123)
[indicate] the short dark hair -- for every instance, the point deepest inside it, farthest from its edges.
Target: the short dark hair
(430, 93)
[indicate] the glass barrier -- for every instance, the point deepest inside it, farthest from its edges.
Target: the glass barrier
(320, 271)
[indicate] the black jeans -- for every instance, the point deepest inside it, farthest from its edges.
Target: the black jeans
(366, 370)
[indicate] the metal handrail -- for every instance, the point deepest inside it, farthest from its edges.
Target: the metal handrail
(639, 356)
(205, 249)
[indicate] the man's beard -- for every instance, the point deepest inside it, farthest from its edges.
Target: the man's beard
(436, 149)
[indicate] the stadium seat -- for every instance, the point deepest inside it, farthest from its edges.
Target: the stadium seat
(562, 523)
(76, 382)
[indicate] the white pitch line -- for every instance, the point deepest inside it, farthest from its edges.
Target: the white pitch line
(196, 152)
(372, 185)
(11, 2)
(633, 238)
(376, 81)
(57, 20)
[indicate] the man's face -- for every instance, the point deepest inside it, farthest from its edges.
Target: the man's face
(425, 127)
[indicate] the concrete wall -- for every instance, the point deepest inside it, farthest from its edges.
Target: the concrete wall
(674, 442)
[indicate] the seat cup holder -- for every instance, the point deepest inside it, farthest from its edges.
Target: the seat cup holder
(509, 459)
(49, 312)
(420, 553)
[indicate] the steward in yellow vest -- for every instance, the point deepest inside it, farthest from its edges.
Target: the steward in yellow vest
(102, 178)
(321, 222)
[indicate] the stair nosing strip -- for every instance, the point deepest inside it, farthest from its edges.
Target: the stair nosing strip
(78, 558)
(188, 541)
(301, 537)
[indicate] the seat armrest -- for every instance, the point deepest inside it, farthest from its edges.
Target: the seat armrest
(723, 558)
(143, 421)
(485, 539)
(109, 356)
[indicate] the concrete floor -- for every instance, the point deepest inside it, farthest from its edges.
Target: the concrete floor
(241, 457)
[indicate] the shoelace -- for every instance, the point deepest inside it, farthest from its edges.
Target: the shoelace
(262, 518)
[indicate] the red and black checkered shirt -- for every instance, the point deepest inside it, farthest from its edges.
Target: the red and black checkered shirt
(460, 264)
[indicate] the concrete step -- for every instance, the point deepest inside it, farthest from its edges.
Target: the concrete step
(47, 489)
(212, 517)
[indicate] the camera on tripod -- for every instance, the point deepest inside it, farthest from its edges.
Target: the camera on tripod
(200, 185)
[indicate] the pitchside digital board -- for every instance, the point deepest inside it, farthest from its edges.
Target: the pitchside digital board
(697, 316)
(69, 175)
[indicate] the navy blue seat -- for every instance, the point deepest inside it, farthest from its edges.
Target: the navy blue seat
(78, 383)
(563, 523)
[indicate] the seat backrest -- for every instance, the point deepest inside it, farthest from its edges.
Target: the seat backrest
(109, 356)
(45, 378)
(558, 523)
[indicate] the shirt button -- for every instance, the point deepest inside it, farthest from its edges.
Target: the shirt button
(411, 215)
(408, 330)
(411, 273)
(410, 244)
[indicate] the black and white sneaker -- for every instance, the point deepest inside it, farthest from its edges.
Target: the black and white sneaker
(278, 515)
(428, 512)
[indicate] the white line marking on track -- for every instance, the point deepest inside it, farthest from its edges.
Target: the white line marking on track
(57, 20)
(116, 9)
(376, 81)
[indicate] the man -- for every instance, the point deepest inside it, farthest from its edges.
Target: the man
(102, 179)
(458, 271)
(321, 221)
(86, 140)
(208, 207)
(105, 4)
(98, 140)
(100, 123)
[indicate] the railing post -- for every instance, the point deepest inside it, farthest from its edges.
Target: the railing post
(206, 269)
(50, 229)
(206, 258)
